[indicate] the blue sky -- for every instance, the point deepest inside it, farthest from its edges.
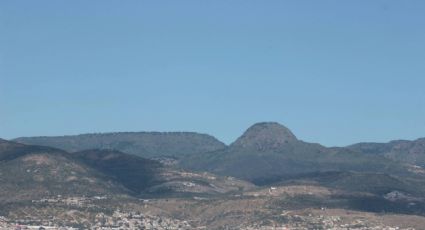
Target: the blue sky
(334, 72)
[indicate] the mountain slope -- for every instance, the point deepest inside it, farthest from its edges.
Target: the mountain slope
(374, 183)
(148, 177)
(28, 172)
(412, 152)
(144, 144)
(268, 152)
(32, 172)
(134, 173)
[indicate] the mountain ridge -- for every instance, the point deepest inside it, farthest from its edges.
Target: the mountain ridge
(144, 144)
(266, 150)
(411, 152)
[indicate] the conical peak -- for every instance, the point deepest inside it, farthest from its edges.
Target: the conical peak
(265, 136)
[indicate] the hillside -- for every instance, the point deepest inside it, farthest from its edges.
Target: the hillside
(269, 152)
(134, 173)
(28, 172)
(148, 177)
(412, 152)
(144, 144)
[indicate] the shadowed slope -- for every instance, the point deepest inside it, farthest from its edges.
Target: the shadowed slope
(135, 173)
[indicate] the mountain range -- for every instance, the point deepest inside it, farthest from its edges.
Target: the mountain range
(266, 152)
(261, 137)
(183, 173)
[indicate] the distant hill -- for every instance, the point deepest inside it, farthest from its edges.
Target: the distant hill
(29, 172)
(412, 152)
(144, 144)
(265, 136)
(269, 152)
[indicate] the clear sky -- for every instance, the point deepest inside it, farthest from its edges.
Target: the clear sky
(334, 72)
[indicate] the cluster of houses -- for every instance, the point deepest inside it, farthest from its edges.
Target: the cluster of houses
(72, 201)
(119, 220)
(137, 220)
(7, 224)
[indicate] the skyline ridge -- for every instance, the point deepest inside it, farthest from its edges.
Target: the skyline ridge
(209, 135)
